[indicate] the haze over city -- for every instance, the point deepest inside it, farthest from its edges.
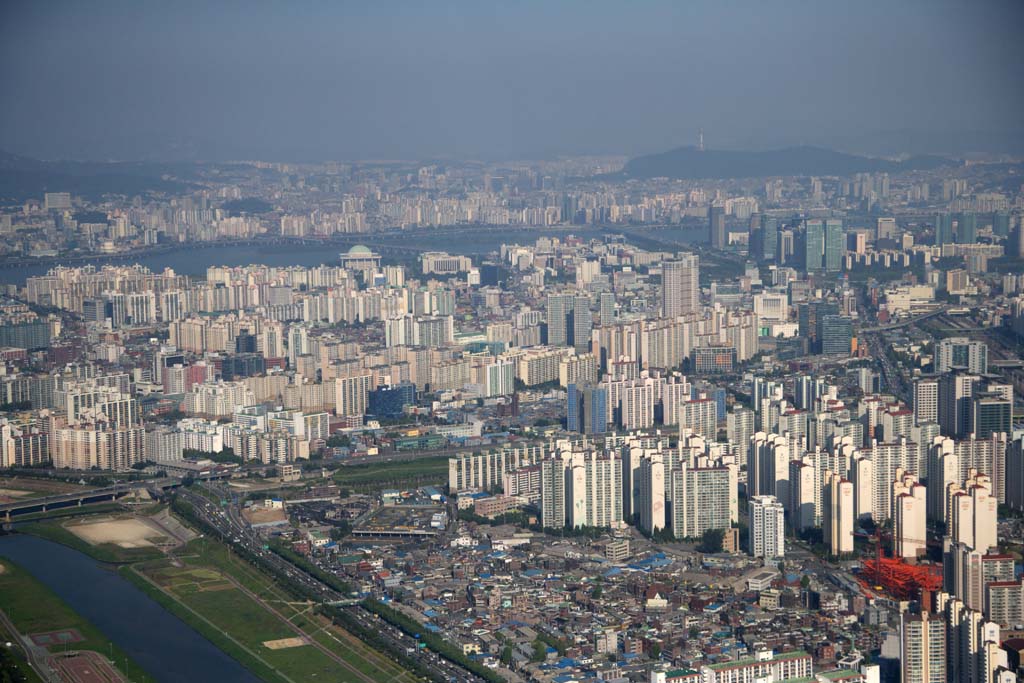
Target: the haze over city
(511, 342)
(466, 80)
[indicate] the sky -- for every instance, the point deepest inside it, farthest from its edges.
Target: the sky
(312, 81)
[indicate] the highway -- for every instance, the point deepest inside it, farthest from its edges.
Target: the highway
(85, 496)
(236, 532)
(904, 323)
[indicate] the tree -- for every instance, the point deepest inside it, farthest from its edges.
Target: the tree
(711, 541)
(506, 655)
(805, 581)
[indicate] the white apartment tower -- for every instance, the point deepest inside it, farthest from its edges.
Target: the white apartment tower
(767, 527)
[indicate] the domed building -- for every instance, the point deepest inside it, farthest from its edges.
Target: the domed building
(360, 257)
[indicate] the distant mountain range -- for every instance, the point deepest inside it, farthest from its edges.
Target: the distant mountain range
(690, 163)
(23, 178)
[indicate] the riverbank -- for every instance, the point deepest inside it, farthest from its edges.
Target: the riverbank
(193, 258)
(152, 644)
(40, 616)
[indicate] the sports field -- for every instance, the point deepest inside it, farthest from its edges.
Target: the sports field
(49, 622)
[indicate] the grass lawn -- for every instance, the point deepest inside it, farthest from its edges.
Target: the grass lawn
(421, 469)
(112, 553)
(201, 593)
(35, 609)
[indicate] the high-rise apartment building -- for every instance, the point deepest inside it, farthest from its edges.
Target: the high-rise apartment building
(922, 648)
(767, 527)
(703, 498)
(837, 514)
(909, 516)
(960, 353)
(680, 286)
(926, 401)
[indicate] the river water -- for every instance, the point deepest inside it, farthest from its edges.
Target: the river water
(196, 259)
(167, 648)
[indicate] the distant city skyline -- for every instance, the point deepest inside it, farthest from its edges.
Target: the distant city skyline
(191, 81)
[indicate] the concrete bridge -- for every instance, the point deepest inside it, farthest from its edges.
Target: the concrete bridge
(79, 498)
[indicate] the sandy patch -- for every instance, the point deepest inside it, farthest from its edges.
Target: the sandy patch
(126, 533)
(260, 515)
(13, 493)
(284, 643)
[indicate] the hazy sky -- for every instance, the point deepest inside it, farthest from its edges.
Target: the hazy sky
(477, 79)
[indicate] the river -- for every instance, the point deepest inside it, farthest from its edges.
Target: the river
(196, 259)
(167, 648)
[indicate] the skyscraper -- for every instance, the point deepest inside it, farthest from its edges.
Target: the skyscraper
(560, 309)
(680, 286)
(943, 229)
(1001, 224)
(835, 245)
(716, 226)
(769, 238)
(582, 323)
(966, 228)
(811, 245)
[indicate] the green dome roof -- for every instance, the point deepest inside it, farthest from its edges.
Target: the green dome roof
(359, 250)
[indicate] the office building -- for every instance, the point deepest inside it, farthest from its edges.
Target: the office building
(991, 413)
(955, 392)
(768, 238)
(717, 236)
(836, 335)
(943, 229)
(390, 401)
(767, 527)
(966, 228)
(835, 245)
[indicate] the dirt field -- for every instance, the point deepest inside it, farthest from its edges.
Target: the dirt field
(261, 515)
(12, 495)
(126, 533)
(284, 643)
